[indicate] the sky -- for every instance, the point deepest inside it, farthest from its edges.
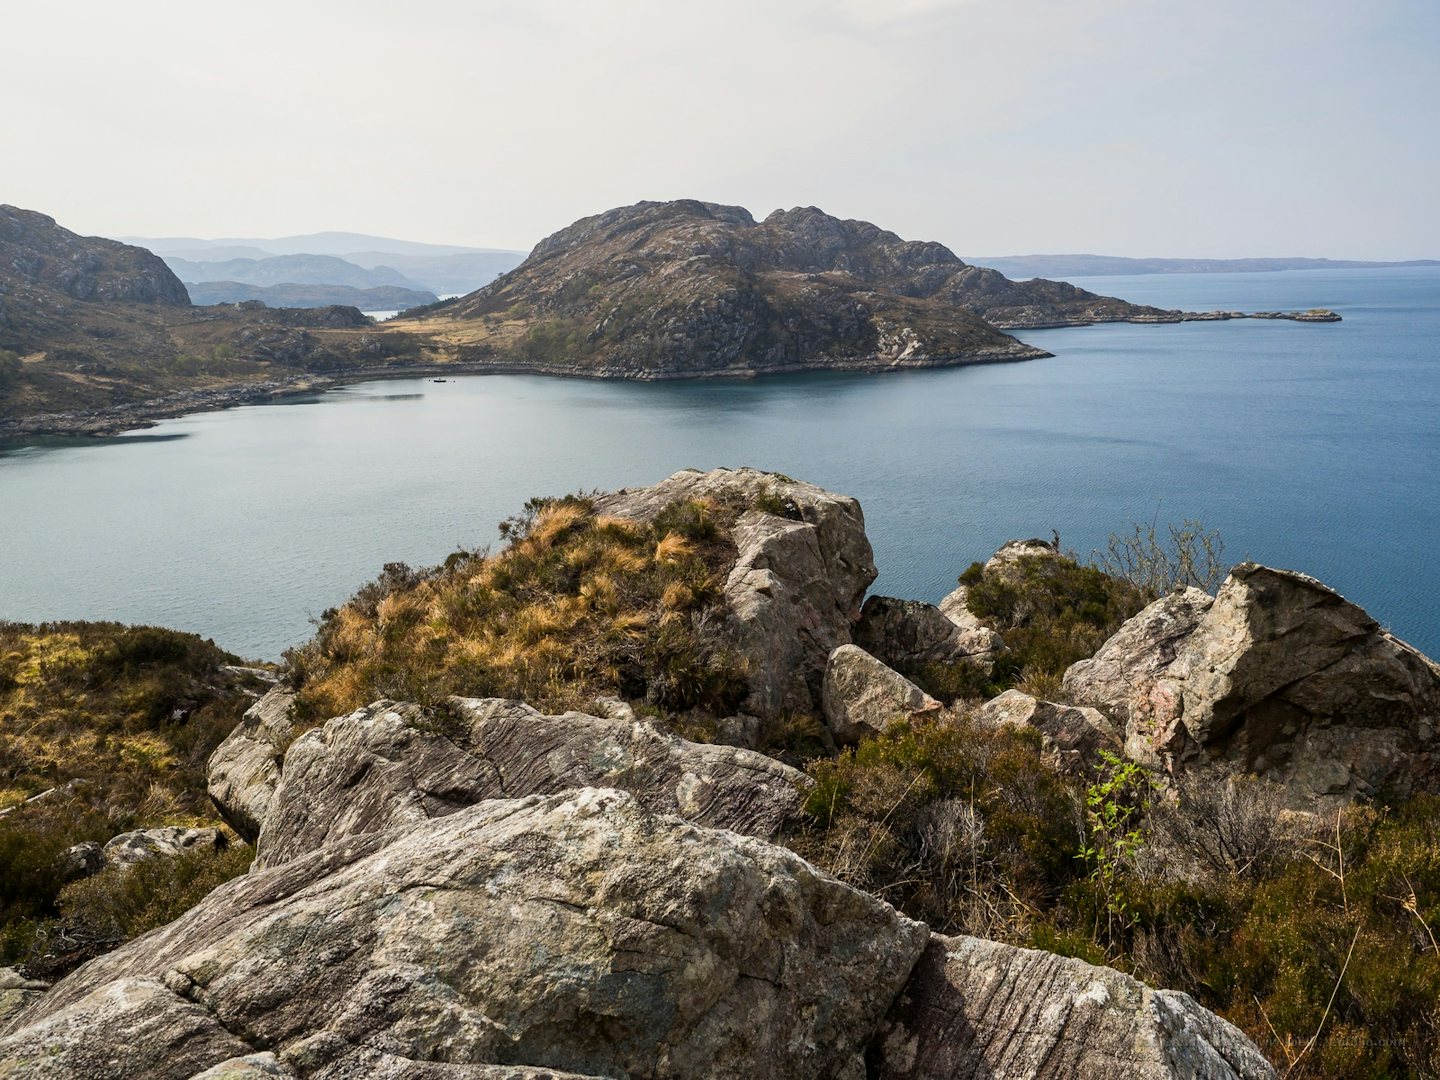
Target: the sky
(1228, 128)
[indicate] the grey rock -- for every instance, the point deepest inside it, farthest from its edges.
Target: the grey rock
(795, 587)
(244, 769)
(956, 608)
(17, 991)
(1280, 676)
(1013, 551)
(864, 697)
(82, 860)
(976, 1008)
(910, 634)
(392, 764)
(577, 932)
(129, 848)
(120, 1029)
(1120, 677)
(1074, 734)
(250, 1067)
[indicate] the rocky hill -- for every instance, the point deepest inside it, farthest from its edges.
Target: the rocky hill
(92, 326)
(649, 794)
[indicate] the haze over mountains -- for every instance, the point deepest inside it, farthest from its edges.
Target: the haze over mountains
(232, 269)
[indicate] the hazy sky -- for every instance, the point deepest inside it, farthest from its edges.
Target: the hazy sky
(1128, 127)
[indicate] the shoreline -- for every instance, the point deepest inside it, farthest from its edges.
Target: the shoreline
(139, 415)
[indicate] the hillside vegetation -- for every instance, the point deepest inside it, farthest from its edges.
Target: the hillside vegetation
(104, 728)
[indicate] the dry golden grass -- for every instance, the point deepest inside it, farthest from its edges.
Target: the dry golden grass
(578, 605)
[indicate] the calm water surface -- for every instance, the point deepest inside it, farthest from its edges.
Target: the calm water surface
(1315, 447)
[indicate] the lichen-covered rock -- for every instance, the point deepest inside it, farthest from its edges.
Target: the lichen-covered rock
(391, 764)
(803, 564)
(244, 769)
(864, 697)
(976, 1008)
(1074, 734)
(909, 635)
(579, 933)
(129, 848)
(1279, 675)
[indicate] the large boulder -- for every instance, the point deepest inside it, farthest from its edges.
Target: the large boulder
(910, 635)
(580, 933)
(1278, 675)
(1075, 735)
(244, 769)
(392, 764)
(864, 697)
(976, 1008)
(802, 566)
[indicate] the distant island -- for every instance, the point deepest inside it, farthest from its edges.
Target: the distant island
(98, 337)
(1068, 266)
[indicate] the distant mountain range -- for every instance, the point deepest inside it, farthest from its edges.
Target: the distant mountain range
(352, 260)
(1068, 266)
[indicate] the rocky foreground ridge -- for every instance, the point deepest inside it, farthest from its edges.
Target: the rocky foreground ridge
(474, 887)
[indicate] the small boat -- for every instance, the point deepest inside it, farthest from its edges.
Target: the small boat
(439, 380)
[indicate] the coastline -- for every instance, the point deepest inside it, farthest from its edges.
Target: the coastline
(139, 415)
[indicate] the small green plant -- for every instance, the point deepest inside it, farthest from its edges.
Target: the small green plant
(1114, 834)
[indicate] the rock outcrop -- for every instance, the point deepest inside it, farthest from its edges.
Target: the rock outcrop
(1074, 734)
(579, 933)
(392, 765)
(244, 769)
(1279, 675)
(976, 1008)
(909, 635)
(864, 697)
(801, 569)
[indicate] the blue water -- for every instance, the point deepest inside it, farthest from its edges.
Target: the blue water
(1315, 447)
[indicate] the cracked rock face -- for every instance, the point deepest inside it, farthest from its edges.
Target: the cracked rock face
(392, 764)
(1277, 674)
(795, 588)
(243, 770)
(578, 933)
(976, 1008)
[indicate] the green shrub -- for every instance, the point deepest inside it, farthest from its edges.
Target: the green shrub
(1051, 612)
(99, 913)
(966, 828)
